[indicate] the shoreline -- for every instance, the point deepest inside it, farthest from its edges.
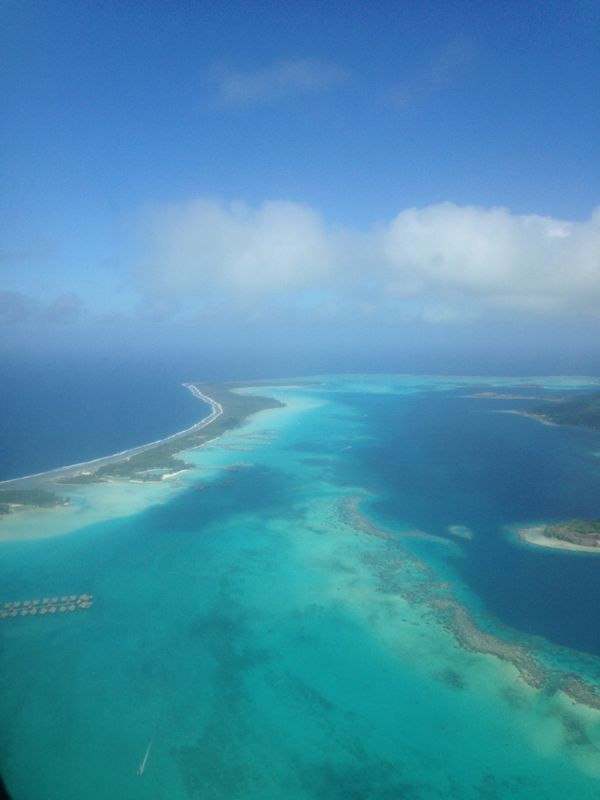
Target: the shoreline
(67, 470)
(544, 420)
(150, 465)
(533, 535)
(530, 415)
(464, 624)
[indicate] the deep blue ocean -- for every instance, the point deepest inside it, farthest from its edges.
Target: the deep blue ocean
(55, 413)
(446, 459)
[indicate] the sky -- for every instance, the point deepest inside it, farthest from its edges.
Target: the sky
(369, 185)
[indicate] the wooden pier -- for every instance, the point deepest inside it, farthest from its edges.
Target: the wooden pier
(47, 605)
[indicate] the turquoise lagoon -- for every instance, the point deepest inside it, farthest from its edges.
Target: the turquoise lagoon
(271, 624)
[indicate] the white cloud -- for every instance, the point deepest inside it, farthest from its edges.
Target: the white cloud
(208, 249)
(446, 65)
(275, 82)
(494, 259)
(18, 308)
(439, 263)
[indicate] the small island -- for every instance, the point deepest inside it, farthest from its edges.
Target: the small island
(501, 396)
(15, 499)
(461, 531)
(582, 411)
(576, 534)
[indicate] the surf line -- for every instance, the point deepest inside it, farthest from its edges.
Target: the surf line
(144, 761)
(57, 472)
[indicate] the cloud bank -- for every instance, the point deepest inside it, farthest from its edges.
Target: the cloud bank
(441, 263)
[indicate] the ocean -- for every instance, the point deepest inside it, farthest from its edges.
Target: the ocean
(446, 459)
(59, 413)
(293, 618)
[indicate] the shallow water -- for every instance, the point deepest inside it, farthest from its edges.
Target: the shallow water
(257, 640)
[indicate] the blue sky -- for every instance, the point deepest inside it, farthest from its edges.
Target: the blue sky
(272, 166)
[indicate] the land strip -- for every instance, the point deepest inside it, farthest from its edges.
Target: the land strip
(149, 462)
(576, 535)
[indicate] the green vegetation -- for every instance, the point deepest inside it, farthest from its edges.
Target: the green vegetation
(162, 456)
(154, 459)
(148, 464)
(582, 411)
(10, 499)
(580, 532)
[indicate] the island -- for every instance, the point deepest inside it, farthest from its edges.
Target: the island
(154, 461)
(576, 534)
(501, 396)
(15, 499)
(582, 411)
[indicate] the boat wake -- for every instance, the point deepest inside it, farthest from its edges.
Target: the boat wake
(144, 761)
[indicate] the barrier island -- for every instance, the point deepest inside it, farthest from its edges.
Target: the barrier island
(154, 461)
